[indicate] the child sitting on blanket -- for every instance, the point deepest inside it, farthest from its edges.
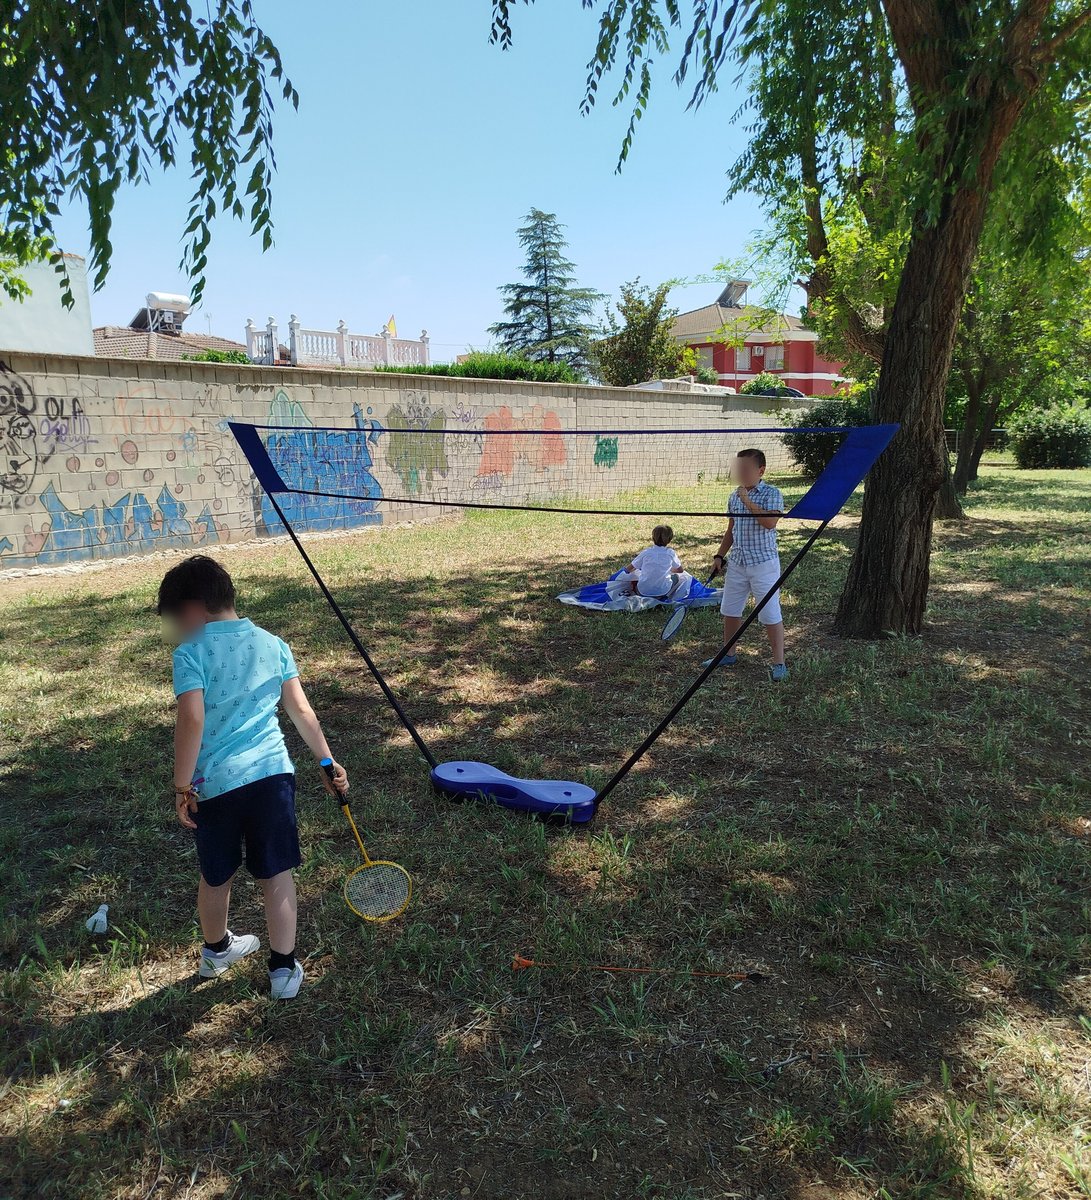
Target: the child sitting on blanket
(658, 572)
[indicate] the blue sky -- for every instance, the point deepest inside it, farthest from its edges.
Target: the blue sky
(416, 150)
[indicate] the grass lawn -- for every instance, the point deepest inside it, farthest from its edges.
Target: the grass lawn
(898, 838)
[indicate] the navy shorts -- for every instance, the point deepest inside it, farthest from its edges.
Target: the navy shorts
(259, 815)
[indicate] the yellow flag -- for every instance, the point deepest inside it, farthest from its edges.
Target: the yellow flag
(391, 327)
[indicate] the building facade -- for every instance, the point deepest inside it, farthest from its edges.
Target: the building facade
(40, 323)
(739, 341)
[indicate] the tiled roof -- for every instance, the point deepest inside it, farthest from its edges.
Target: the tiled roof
(119, 341)
(703, 322)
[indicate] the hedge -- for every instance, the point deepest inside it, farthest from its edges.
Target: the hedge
(811, 452)
(483, 364)
(1052, 437)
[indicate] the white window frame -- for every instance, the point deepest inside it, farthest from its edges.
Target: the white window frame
(776, 353)
(742, 358)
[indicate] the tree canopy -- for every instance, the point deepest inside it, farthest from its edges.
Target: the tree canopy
(549, 315)
(1025, 337)
(94, 95)
(889, 115)
(641, 346)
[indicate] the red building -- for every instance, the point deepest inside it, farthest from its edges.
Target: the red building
(739, 341)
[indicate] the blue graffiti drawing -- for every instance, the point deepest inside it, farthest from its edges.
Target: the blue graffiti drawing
(323, 460)
(175, 529)
(113, 524)
(127, 526)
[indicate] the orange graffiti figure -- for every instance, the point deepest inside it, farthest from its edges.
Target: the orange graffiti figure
(536, 439)
(34, 543)
(552, 449)
(498, 451)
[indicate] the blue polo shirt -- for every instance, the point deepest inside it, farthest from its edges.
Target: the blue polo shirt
(241, 669)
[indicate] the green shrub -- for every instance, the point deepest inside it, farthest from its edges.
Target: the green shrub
(219, 356)
(761, 383)
(811, 452)
(707, 375)
(490, 364)
(1052, 437)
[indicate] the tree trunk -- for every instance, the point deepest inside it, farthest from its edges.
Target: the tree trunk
(948, 505)
(887, 585)
(551, 355)
(982, 439)
(969, 432)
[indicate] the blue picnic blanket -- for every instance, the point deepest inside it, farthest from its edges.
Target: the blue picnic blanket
(612, 595)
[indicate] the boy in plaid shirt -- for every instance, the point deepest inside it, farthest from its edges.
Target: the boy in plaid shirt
(749, 558)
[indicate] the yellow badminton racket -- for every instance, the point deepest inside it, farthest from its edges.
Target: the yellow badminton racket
(376, 890)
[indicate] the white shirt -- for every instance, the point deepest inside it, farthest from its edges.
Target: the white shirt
(655, 565)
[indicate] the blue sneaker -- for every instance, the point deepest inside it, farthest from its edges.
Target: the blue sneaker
(778, 672)
(729, 661)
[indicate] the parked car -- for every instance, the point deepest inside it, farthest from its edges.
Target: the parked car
(781, 393)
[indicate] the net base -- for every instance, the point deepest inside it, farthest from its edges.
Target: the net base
(548, 798)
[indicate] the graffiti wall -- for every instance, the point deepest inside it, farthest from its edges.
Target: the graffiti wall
(103, 458)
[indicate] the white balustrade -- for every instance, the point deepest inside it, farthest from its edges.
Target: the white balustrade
(365, 351)
(339, 347)
(261, 344)
(404, 353)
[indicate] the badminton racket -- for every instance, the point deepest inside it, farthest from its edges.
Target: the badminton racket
(376, 890)
(681, 607)
(519, 963)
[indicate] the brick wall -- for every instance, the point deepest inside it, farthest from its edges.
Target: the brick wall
(106, 457)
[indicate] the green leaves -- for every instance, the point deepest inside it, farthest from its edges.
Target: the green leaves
(641, 346)
(811, 452)
(549, 316)
(1052, 438)
(492, 364)
(96, 95)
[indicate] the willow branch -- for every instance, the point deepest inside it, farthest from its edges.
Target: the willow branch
(1047, 50)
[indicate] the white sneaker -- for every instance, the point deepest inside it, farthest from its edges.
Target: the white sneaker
(214, 963)
(285, 984)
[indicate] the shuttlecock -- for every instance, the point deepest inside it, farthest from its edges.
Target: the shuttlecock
(96, 923)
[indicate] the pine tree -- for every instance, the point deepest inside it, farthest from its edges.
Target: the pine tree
(549, 318)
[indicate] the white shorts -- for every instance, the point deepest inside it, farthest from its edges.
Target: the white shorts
(741, 581)
(673, 587)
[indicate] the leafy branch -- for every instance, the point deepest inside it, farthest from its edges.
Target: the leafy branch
(94, 96)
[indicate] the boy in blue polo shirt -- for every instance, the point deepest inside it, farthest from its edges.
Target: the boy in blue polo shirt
(234, 783)
(749, 557)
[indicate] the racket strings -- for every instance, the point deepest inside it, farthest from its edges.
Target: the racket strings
(378, 890)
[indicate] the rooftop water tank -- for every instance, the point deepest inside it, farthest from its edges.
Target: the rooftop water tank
(166, 302)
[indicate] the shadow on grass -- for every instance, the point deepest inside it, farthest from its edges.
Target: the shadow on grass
(868, 838)
(1055, 493)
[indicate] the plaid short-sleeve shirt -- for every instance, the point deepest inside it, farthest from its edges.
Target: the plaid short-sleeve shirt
(750, 542)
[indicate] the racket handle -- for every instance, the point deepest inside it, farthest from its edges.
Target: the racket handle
(327, 765)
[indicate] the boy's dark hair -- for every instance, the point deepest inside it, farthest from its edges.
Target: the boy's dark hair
(199, 578)
(757, 455)
(662, 535)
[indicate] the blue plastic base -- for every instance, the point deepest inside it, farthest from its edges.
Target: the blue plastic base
(573, 802)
